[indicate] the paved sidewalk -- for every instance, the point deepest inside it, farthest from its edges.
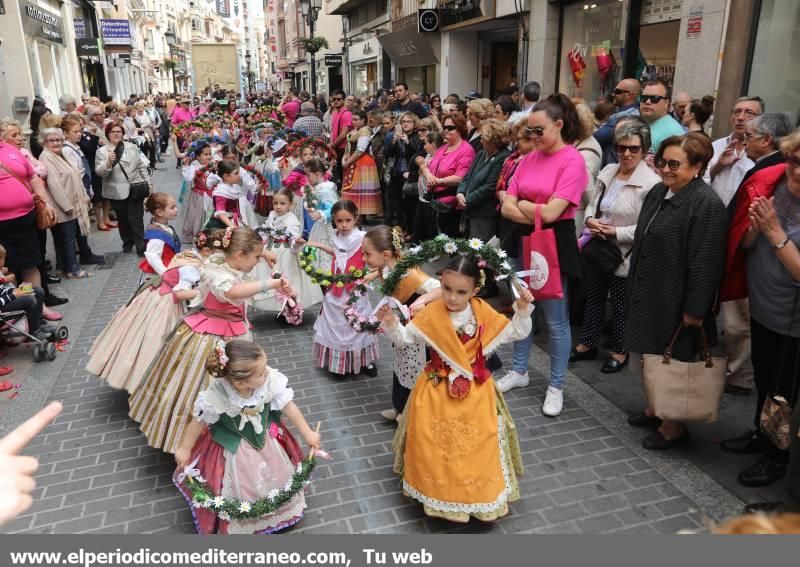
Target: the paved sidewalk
(585, 471)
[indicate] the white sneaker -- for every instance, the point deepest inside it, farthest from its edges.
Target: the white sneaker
(389, 414)
(513, 380)
(553, 402)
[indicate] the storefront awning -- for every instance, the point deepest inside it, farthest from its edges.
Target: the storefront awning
(408, 48)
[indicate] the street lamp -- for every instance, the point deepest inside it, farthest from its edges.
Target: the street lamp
(169, 35)
(310, 9)
(249, 59)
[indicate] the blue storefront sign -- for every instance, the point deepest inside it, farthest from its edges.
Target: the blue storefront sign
(116, 32)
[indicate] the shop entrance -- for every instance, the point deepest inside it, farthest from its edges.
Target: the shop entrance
(503, 72)
(658, 44)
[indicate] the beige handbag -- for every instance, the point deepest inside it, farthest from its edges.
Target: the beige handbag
(684, 391)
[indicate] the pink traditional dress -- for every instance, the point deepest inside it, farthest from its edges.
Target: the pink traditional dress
(163, 402)
(124, 350)
(245, 454)
(222, 196)
(337, 346)
(198, 201)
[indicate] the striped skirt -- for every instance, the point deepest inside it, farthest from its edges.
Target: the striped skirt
(362, 186)
(164, 401)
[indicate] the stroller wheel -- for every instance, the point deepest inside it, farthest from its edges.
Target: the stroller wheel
(62, 333)
(38, 354)
(50, 351)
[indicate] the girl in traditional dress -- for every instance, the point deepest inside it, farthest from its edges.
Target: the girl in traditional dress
(198, 200)
(249, 187)
(456, 447)
(162, 242)
(226, 195)
(382, 249)
(124, 350)
(163, 402)
(337, 346)
(325, 196)
(361, 183)
(282, 231)
(239, 445)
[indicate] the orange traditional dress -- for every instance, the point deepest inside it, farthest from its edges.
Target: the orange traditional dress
(456, 445)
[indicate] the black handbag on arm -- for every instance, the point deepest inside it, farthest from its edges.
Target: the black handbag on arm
(601, 254)
(139, 190)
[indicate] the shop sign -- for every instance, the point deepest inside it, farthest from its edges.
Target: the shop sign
(82, 28)
(428, 20)
(407, 48)
(41, 23)
(333, 60)
(694, 25)
(87, 47)
(224, 8)
(116, 32)
(461, 12)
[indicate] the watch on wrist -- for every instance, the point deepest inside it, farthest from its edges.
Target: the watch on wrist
(781, 244)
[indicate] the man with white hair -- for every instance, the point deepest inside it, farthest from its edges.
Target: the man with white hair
(308, 121)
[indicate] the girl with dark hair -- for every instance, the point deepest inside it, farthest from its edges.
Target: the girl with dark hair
(383, 248)
(195, 173)
(226, 195)
(548, 184)
(337, 346)
(361, 184)
(457, 427)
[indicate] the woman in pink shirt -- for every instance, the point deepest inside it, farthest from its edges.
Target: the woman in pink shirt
(448, 167)
(550, 180)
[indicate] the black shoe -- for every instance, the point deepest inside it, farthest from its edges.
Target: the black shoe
(613, 365)
(52, 279)
(657, 442)
(127, 249)
(53, 300)
(750, 442)
(371, 370)
(763, 473)
(93, 259)
(140, 253)
(737, 390)
(641, 419)
(763, 507)
(590, 354)
(42, 334)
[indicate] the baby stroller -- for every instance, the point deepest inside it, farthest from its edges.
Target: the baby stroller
(14, 331)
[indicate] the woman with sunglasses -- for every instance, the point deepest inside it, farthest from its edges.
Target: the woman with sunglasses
(675, 268)
(447, 169)
(611, 216)
(549, 183)
(436, 107)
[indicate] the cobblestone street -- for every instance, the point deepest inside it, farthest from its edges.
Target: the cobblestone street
(585, 471)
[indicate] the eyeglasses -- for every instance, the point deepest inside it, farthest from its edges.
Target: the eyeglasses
(744, 111)
(424, 129)
(336, 98)
(621, 149)
(53, 141)
(406, 121)
(673, 164)
(621, 91)
(748, 136)
(449, 128)
(534, 131)
(651, 98)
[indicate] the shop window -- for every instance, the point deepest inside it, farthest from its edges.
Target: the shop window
(775, 71)
(658, 45)
(591, 48)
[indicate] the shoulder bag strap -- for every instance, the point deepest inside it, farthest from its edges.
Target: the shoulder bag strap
(18, 178)
(591, 150)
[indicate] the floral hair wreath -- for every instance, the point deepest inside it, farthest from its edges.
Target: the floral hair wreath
(204, 123)
(485, 256)
(321, 148)
(219, 359)
(200, 239)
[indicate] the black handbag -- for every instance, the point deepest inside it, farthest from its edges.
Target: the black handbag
(139, 190)
(602, 255)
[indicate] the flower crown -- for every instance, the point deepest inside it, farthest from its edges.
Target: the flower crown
(218, 359)
(397, 240)
(200, 239)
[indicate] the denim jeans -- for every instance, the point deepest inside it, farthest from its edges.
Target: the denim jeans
(64, 236)
(556, 314)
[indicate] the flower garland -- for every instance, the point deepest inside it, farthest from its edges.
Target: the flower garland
(205, 123)
(321, 148)
(326, 277)
(262, 181)
(292, 310)
(275, 235)
(265, 113)
(485, 256)
(360, 323)
(310, 201)
(240, 510)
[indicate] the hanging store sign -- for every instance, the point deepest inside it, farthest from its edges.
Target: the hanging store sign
(459, 13)
(224, 8)
(87, 47)
(41, 23)
(116, 32)
(82, 28)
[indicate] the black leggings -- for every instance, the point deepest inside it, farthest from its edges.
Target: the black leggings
(597, 288)
(400, 394)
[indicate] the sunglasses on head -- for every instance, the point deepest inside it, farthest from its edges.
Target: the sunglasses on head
(621, 149)
(651, 98)
(534, 131)
(449, 127)
(673, 164)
